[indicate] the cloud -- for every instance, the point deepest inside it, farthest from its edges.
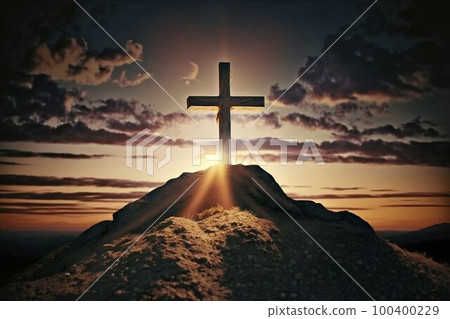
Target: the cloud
(9, 163)
(294, 96)
(435, 153)
(25, 27)
(383, 152)
(326, 123)
(343, 188)
(65, 133)
(122, 81)
(38, 101)
(410, 129)
(362, 195)
(40, 205)
(413, 19)
(295, 186)
(54, 210)
(353, 70)
(69, 59)
(356, 69)
(79, 196)
(271, 119)
(45, 112)
(411, 59)
(360, 109)
(348, 208)
(28, 180)
(77, 133)
(416, 205)
(414, 128)
(27, 154)
(191, 73)
(126, 116)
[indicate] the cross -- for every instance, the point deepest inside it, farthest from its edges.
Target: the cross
(224, 101)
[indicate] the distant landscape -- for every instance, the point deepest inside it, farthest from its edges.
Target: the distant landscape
(19, 249)
(432, 241)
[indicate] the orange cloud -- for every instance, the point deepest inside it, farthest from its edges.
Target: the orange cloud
(71, 60)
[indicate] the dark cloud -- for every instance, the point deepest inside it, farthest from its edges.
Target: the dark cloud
(414, 128)
(127, 116)
(37, 101)
(25, 24)
(410, 18)
(51, 208)
(54, 211)
(346, 107)
(78, 196)
(295, 186)
(358, 196)
(294, 96)
(271, 119)
(355, 159)
(27, 154)
(435, 153)
(38, 205)
(65, 133)
(352, 70)
(361, 110)
(348, 208)
(410, 129)
(343, 188)
(326, 123)
(45, 112)
(410, 60)
(72, 134)
(383, 152)
(9, 163)
(41, 48)
(38, 42)
(416, 205)
(356, 68)
(9, 179)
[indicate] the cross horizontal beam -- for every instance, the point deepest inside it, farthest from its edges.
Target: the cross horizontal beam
(214, 101)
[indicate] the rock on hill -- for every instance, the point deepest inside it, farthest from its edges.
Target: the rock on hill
(249, 249)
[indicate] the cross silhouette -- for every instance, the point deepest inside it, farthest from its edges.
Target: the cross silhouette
(224, 101)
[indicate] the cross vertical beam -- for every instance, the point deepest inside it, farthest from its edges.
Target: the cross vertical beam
(224, 80)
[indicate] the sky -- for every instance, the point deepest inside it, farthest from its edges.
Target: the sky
(376, 103)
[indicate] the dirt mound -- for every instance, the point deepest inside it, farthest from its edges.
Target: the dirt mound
(231, 254)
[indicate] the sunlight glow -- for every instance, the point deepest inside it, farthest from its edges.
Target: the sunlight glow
(214, 188)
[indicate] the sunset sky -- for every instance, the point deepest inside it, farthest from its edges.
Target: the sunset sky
(376, 104)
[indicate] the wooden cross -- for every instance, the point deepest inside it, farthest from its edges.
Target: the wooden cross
(224, 101)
